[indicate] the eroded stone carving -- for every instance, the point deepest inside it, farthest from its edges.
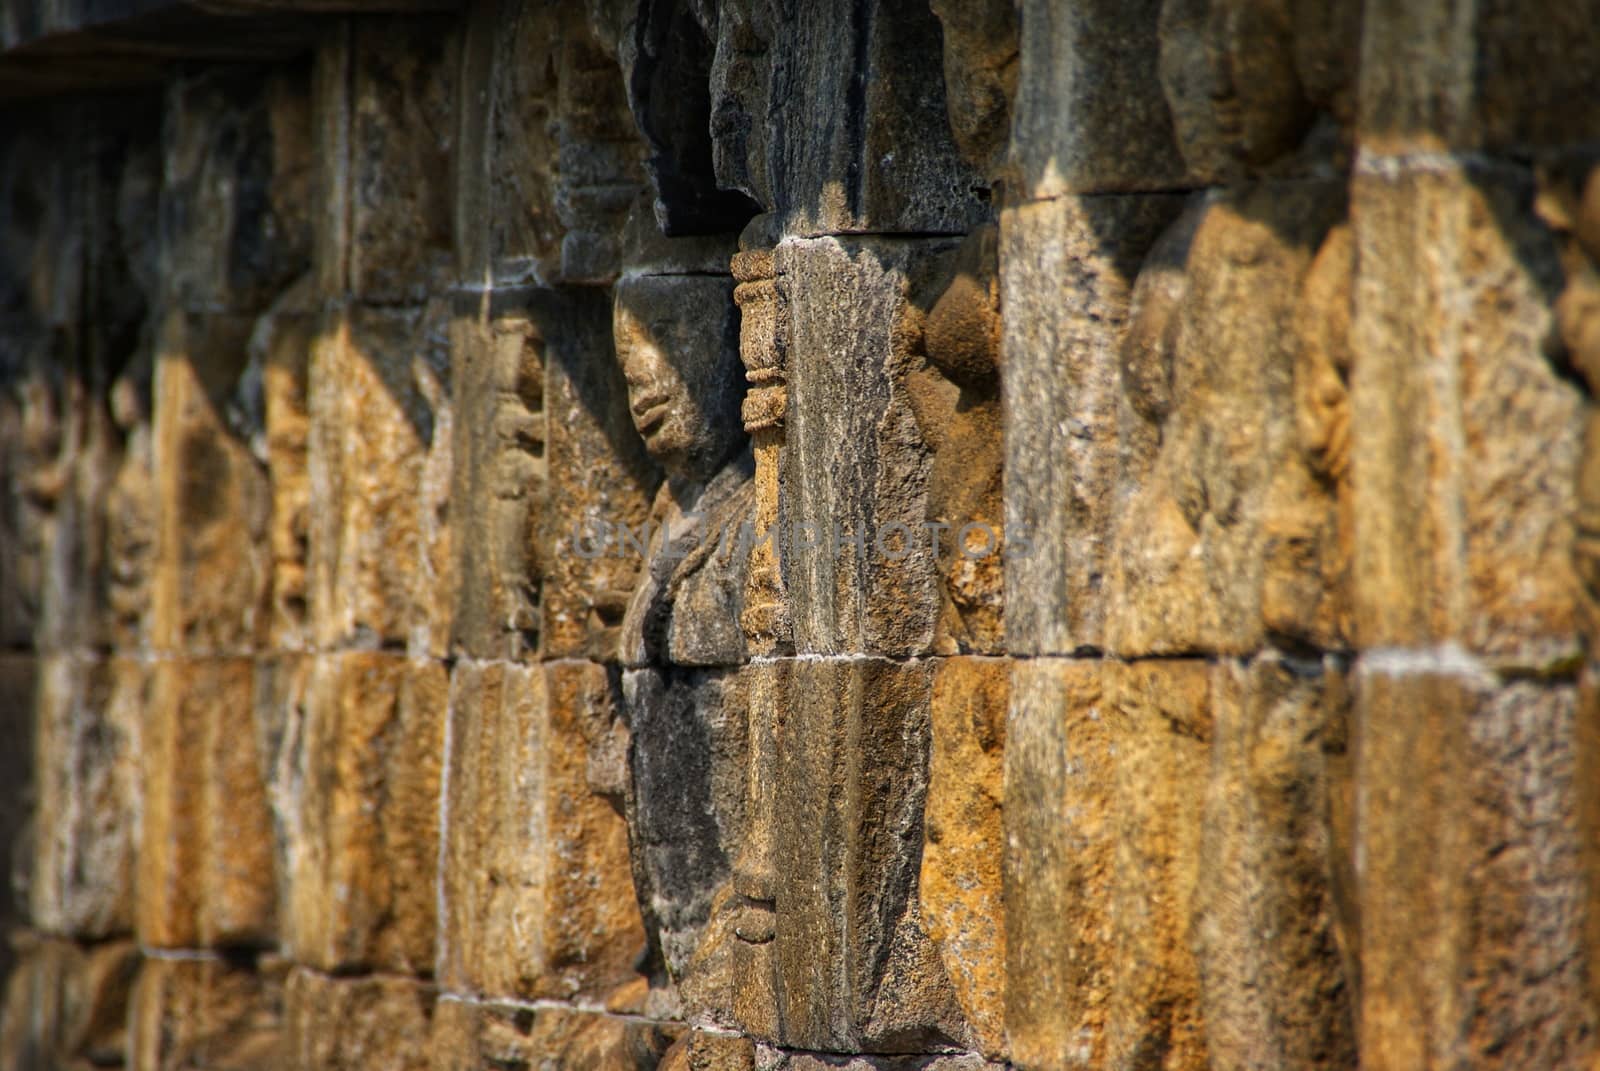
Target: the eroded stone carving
(130, 504)
(1246, 81)
(1306, 528)
(677, 342)
(42, 467)
(980, 76)
(1572, 210)
(1188, 574)
(780, 75)
(956, 396)
(130, 521)
(764, 349)
(741, 87)
(667, 60)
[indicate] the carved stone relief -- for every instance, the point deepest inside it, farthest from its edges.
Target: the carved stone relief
(682, 644)
(956, 396)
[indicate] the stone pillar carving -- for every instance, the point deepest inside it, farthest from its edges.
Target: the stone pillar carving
(768, 631)
(763, 347)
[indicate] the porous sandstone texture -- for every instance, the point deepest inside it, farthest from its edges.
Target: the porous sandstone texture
(728, 535)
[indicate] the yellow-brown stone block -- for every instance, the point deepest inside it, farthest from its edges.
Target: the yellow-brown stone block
(350, 1024)
(1468, 436)
(538, 899)
(468, 1036)
(1471, 882)
(362, 863)
(207, 854)
(85, 771)
(66, 1005)
(1104, 763)
(1272, 918)
(380, 558)
(963, 838)
(206, 1012)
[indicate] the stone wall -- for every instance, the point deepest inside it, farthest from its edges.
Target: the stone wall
(734, 534)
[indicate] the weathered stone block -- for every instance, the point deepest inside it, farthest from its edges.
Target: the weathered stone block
(854, 465)
(753, 998)
(780, 95)
(963, 840)
(699, 1050)
(282, 686)
(688, 759)
(601, 477)
(19, 527)
(1308, 523)
(344, 1024)
(1103, 763)
(45, 271)
(1066, 271)
(981, 64)
(1492, 76)
(1586, 802)
(955, 395)
(213, 570)
(128, 503)
(362, 863)
(281, 344)
(500, 480)
(87, 735)
(507, 224)
(1207, 417)
(381, 561)
(211, 1013)
(66, 1005)
(1272, 926)
(237, 190)
(1464, 530)
(393, 171)
(70, 522)
(601, 155)
(38, 448)
(76, 532)
(537, 899)
(567, 157)
(168, 898)
(1158, 95)
(768, 1058)
(206, 872)
(853, 966)
(468, 1036)
(1090, 115)
(1471, 886)
(19, 696)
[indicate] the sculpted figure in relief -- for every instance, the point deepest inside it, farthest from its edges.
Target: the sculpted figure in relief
(1252, 85)
(681, 647)
(677, 340)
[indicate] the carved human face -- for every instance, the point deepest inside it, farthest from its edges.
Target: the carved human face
(677, 341)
